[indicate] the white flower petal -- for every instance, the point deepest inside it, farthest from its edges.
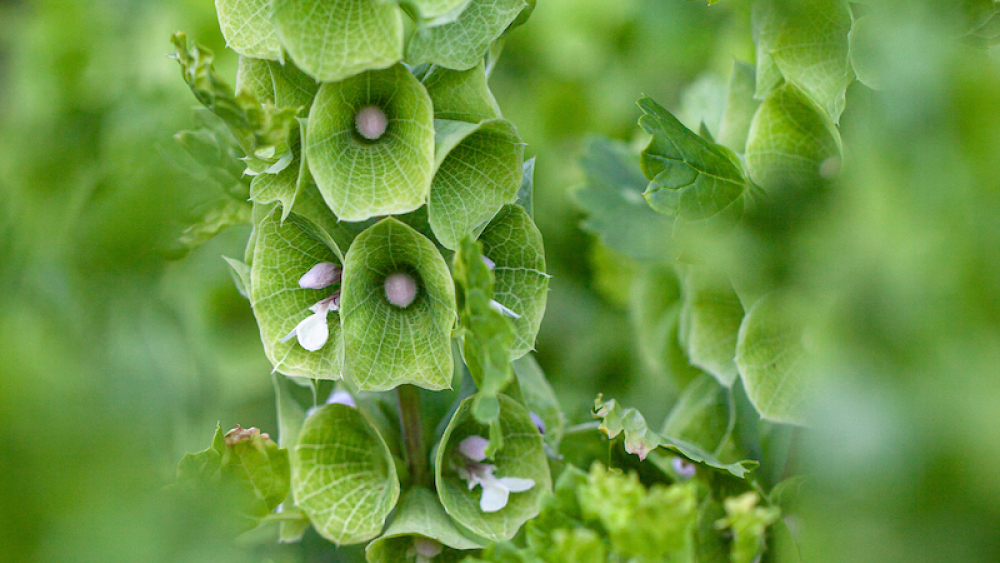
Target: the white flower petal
(427, 547)
(473, 447)
(489, 263)
(320, 276)
(494, 497)
(341, 397)
(496, 306)
(313, 331)
(516, 484)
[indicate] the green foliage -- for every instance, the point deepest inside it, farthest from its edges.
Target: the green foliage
(419, 516)
(747, 522)
(343, 475)
(462, 43)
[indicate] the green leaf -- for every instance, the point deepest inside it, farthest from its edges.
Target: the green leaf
(690, 178)
(865, 59)
(461, 44)
(461, 95)
(740, 108)
(704, 415)
(702, 105)
(210, 220)
(419, 518)
(522, 456)
(360, 178)
(748, 523)
(791, 144)
(478, 169)
(526, 193)
(773, 360)
(282, 187)
(246, 28)
(540, 399)
(283, 253)
(807, 42)
(514, 244)
(613, 200)
(292, 87)
(262, 130)
(654, 308)
(256, 464)
(710, 322)
(640, 439)
(431, 13)
(486, 334)
(389, 345)
(203, 466)
(334, 39)
(343, 475)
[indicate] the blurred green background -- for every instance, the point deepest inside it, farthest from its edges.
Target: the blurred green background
(115, 361)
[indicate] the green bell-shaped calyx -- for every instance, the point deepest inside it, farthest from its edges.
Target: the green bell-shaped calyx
(334, 39)
(420, 532)
(430, 13)
(792, 143)
(343, 476)
(247, 29)
(461, 44)
(461, 95)
(294, 291)
(478, 169)
(370, 144)
(398, 310)
(492, 497)
(512, 246)
(709, 322)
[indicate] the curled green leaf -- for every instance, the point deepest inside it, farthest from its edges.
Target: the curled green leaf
(382, 174)
(343, 475)
(398, 310)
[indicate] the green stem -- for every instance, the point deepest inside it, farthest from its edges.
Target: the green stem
(584, 427)
(413, 435)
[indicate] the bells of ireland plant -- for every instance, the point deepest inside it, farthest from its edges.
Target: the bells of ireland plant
(343, 475)
(295, 292)
(370, 144)
(398, 310)
(492, 497)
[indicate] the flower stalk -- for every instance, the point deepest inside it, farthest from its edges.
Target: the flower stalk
(413, 435)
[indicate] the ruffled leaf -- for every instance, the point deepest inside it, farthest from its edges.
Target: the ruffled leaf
(461, 44)
(343, 475)
(613, 200)
(283, 253)
(640, 439)
(478, 169)
(522, 457)
(690, 178)
(388, 345)
(361, 178)
(335, 39)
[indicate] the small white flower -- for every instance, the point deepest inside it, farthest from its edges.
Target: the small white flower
(371, 122)
(496, 490)
(489, 263)
(425, 549)
(321, 276)
(341, 397)
(496, 306)
(313, 331)
(400, 289)
(684, 468)
(539, 423)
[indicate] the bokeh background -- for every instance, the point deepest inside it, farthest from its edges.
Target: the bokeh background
(114, 360)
